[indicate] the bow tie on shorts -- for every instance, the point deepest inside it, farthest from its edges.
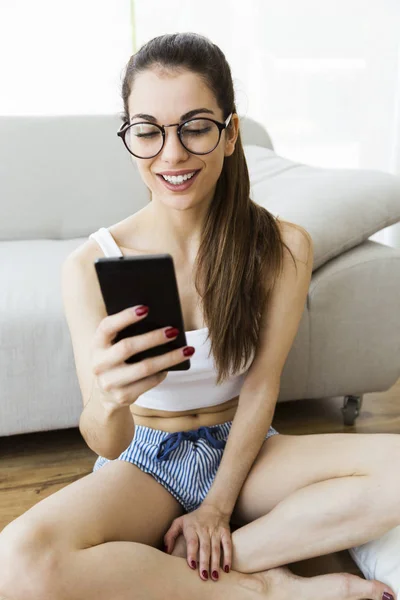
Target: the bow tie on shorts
(172, 441)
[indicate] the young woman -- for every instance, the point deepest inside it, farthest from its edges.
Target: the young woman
(185, 455)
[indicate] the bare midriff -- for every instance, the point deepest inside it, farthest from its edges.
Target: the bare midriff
(185, 420)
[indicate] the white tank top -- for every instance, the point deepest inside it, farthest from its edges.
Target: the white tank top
(184, 390)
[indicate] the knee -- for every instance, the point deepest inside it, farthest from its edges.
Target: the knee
(28, 560)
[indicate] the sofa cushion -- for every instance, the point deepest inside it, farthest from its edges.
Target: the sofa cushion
(39, 389)
(340, 208)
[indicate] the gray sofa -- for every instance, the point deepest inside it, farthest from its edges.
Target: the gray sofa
(64, 177)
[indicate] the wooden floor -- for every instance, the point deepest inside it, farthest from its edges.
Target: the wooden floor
(34, 466)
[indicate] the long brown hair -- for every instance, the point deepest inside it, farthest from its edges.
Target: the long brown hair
(240, 254)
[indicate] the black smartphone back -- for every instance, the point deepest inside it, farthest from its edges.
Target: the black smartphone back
(150, 280)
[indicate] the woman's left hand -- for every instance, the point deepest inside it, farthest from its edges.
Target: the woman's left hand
(210, 528)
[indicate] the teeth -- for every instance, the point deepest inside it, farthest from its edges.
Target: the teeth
(178, 179)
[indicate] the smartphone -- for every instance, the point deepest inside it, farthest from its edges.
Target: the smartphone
(150, 280)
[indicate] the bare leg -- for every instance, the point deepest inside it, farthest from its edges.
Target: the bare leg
(133, 571)
(118, 571)
(319, 519)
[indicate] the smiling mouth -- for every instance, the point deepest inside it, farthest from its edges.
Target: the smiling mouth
(181, 177)
(175, 184)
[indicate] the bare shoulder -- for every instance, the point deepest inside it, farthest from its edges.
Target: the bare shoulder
(297, 239)
(79, 278)
(125, 234)
(85, 253)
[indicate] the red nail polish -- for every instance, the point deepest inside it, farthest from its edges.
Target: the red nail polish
(226, 569)
(193, 563)
(215, 574)
(188, 351)
(205, 574)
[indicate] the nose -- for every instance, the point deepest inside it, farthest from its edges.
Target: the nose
(173, 151)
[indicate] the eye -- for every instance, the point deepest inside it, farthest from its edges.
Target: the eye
(144, 130)
(147, 135)
(198, 131)
(197, 127)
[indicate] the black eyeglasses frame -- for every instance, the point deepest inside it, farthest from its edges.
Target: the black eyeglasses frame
(125, 126)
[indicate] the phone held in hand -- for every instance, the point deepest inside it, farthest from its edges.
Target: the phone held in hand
(127, 281)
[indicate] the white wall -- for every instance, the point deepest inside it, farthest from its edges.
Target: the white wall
(63, 57)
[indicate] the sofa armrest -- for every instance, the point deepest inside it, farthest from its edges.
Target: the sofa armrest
(340, 208)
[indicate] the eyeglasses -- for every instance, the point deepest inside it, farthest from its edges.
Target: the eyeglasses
(197, 136)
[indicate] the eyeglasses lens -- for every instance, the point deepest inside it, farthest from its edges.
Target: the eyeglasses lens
(198, 136)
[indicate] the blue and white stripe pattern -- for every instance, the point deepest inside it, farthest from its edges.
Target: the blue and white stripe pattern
(185, 462)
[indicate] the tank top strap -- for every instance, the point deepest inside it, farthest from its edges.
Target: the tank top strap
(106, 242)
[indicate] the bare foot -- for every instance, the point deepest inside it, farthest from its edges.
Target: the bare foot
(282, 584)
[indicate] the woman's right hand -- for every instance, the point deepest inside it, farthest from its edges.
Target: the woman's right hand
(122, 383)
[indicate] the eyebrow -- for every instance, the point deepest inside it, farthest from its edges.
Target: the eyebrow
(187, 115)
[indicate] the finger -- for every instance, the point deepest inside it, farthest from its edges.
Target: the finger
(215, 555)
(226, 541)
(111, 325)
(205, 547)
(173, 532)
(192, 548)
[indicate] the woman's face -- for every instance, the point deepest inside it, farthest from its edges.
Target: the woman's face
(167, 96)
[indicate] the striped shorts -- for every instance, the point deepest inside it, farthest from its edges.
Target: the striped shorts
(185, 462)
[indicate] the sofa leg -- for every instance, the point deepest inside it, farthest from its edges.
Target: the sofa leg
(351, 409)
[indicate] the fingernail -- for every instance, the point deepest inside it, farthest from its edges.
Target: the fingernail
(171, 332)
(193, 563)
(215, 574)
(205, 574)
(387, 596)
(226, 569)
(188, 351)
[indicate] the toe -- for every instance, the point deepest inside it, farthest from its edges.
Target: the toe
(361, 588)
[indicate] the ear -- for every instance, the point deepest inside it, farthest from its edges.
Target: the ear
(231, 134)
